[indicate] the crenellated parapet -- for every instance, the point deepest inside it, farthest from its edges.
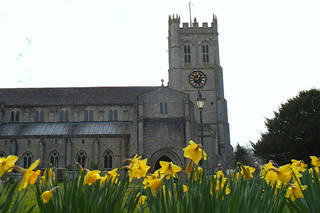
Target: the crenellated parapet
(174, 18)
(194, 27)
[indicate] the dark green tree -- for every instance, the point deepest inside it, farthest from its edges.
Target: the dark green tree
(293, 132)
(243, 155)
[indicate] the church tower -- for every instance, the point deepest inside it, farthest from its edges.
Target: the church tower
(194, 68)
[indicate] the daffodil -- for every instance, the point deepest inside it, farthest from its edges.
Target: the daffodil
(137, 168)
(189, 168)
(315, 161)
(34, 177)
(220, 184)
(197, 173)
(148, 179)
(155, 185)
(185, 188)
(91, 177)
(142, 200)
(282, 174)
(51, 177)
(299, 165)
(295, 191)
(109, 176)
(47, 195)
(247, 171)
(265, 168)
(6, 164)
(27, 174)
(169, 169)
(194, 152)
(313, 175)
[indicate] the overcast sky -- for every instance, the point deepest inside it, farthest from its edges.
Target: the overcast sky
(269, 49)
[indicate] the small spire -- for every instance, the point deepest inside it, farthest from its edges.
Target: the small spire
(162, 82)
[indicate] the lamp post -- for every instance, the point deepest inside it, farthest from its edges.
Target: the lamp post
(200, 104)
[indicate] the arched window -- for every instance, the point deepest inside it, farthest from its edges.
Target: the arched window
(17, 116)
(205, 53)
(66, 115)
(36, 116)
(108, 160)
(61, 116)
(110, 115)
(91, 115)
(101, 116)
(27, 158)
(187, 54)
(115, 115)
(86, 115)
(2, 154)
(12, 116)
(41, 116)
(81, 158)
(54, 159)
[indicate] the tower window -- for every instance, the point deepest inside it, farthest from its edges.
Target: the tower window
(163, 108)
(205, 53)
(187, 54)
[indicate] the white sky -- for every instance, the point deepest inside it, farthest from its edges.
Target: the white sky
(269, 49)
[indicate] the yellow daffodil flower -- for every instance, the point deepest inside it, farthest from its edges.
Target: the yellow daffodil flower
(189, 168)
(147, 180)
(197, 173)
(311, 172)
(185, 188)
(137, 168)
(295, 191)
(247, 171)
(315, 161)
(265, 168)
(155, 185)
(299, 165)
(169, 169)
(47, 195)
(282, 174)
(34, 177)
(220, 184)
(194, 152)
(142, 200)
(91, 177)
(6, 164)
(109, 176)
(27, 174)
(51, 176)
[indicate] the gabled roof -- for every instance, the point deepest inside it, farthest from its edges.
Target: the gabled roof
(71, 96)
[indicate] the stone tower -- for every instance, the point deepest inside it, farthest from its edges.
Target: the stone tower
(194, 66)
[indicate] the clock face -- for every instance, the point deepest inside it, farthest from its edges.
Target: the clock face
(197, 79)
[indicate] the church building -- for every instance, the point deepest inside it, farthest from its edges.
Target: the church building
(102, 126)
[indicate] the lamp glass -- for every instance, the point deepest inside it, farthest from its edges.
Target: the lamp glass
(200, 103)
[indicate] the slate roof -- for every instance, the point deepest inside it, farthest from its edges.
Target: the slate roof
(71, 96)
(65, 129)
